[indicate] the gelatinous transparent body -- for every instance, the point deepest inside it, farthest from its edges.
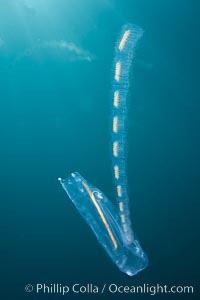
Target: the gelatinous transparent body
(110, 224)
(103, 218)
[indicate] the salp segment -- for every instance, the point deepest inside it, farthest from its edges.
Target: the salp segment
(125, 49)
(102, 217)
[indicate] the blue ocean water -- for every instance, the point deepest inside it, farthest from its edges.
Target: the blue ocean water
(55, 82)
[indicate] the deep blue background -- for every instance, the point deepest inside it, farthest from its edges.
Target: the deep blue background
(55, 119)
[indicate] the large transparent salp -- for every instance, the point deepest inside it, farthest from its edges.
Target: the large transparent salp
(111, 223)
